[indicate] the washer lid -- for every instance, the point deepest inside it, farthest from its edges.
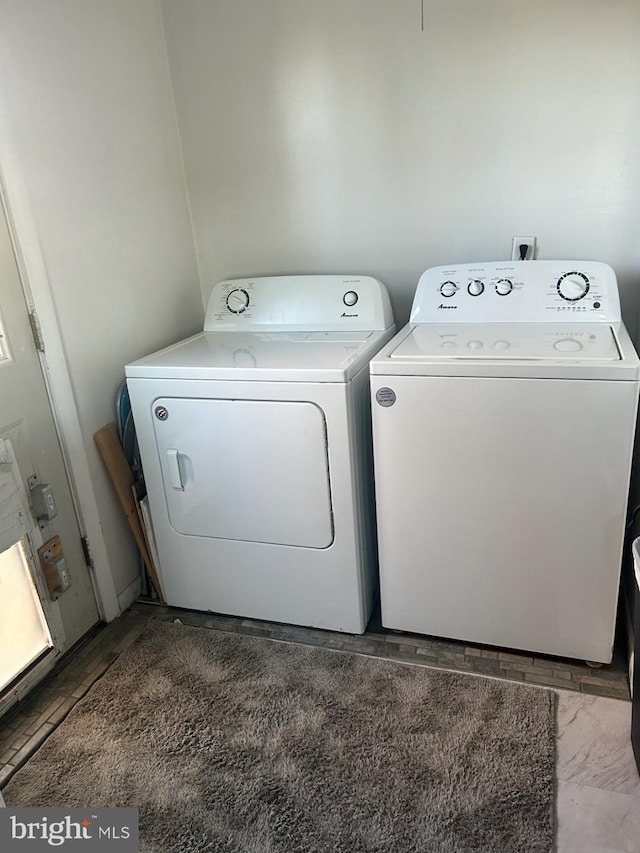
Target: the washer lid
(511, 341)
(542, 350)
(264, 356)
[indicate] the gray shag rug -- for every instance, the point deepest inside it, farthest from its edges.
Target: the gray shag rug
(234, 743)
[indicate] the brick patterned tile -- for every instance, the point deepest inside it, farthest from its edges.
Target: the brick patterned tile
(259, 632)
(562, 674)
(7, 735)
(425, 654)
(7, 755)
(129, 638)
(593, 685)
(368, 647)
(48, 709)
(395, 645)
(605, 674)
(88, 647)
(513, 674)
(334, 644)
(489, 654)
(452, 657)
(193, 620)
(518, 660)
(222, 625)
(61, 711)
(533, 671)
(20, 741)
(33, 743)
(552, 663)
(99, 669)
(81, 691)
(409, 640)
(547, 681)
(484, 666)
(165, 616)
(6, 772)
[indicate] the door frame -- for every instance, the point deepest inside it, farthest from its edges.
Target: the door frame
(38, 297)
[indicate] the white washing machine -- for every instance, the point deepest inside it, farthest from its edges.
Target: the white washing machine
(255, 439)
(503, 426)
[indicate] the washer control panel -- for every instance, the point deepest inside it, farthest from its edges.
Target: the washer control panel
(517, 291)
(301, 302)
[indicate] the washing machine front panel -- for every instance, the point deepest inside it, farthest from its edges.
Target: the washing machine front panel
(250, 470)
(500, 509)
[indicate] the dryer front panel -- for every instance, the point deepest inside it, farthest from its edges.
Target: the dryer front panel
(249, 470)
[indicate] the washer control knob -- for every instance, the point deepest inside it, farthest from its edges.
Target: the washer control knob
(504, 286)
(448, 289)
(237, 300)
(501, 345)
(573, 286)
(475, 288)
(475, 344)
(350, 298)
(567, 345)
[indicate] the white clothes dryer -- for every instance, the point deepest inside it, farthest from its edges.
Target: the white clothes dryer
(255, 441)
(503, 423)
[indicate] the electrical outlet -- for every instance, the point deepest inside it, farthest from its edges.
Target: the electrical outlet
(54, 567)
(517, 252)
(63, 573)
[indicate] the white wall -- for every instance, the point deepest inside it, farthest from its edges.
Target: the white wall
(330, 135)
(338, 136)
(85, 87)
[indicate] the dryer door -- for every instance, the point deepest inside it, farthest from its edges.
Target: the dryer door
(251, 470)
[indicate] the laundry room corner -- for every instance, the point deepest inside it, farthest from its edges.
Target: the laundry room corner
(381, 461)
(94, 187)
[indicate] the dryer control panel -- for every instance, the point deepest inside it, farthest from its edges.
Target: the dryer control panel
(518, 291)
(300, 302)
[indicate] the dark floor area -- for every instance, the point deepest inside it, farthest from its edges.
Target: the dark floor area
(29, 723)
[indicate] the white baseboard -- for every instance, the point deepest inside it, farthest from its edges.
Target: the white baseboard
(129, 595)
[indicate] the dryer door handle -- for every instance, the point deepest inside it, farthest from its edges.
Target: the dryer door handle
(173, 462)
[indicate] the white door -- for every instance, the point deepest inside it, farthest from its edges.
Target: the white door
(251, 470)
(26, 420)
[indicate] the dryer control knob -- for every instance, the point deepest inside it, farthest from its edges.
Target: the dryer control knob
(475, 344)
(237, 300)
(350, 298)
(476, 287)
(448, 288)
(504, 287)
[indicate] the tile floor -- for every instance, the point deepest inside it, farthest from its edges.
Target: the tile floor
(598, 784)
